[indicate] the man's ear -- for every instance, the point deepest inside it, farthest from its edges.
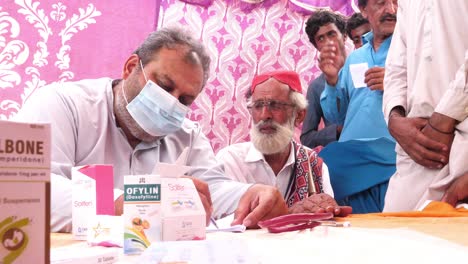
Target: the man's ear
(131, 63)
(300, 115)
(363, 10)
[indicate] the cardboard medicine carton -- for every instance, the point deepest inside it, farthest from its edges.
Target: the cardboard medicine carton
(92, 194)
(142, 212)
(161, 209)
(24, 192)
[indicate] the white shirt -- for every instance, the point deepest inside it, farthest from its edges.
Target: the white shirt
(244, 163)
(424, 58)
(84, 131)
(427, 71)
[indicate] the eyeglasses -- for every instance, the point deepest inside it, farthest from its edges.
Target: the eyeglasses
(272, 106)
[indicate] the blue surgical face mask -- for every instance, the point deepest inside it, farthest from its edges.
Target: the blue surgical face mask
(155, 110)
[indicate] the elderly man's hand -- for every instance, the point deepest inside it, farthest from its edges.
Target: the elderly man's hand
(320, 203)
(458, 191)
(259, 202)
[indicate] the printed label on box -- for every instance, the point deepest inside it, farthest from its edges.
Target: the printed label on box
(183, 213)
(24, 192)
(24, 151)
(142, 217)
(92, 194)
(23, 221)
(160, 209)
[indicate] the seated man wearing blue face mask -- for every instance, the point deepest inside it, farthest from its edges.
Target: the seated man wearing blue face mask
(137, 121)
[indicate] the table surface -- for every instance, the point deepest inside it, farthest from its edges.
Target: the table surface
(454, 229)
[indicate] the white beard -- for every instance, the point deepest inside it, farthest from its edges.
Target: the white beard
(272, 143)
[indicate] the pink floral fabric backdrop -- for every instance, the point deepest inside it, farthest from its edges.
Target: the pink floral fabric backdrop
(48, 41)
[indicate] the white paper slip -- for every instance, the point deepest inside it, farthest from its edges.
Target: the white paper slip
(224, 225)
(358, 72)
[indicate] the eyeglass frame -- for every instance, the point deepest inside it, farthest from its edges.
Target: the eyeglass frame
(257, 106)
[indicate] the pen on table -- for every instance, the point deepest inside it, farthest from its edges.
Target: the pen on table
(213, 221)
(334, 223)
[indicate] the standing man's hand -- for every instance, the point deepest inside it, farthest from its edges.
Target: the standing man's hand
(330, 62)
(259, 202)
(441, 128)
(205, 197)
(458, 190)
(443, 138)
(374, 78)
(421, 148)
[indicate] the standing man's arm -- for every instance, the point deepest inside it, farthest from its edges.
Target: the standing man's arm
(311, 136)
(407, 131)
(334, 98)
(330, 62)
(395, 80)
(451, 109)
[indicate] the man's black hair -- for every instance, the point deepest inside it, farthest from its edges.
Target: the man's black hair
(354, 21)
(321, 18)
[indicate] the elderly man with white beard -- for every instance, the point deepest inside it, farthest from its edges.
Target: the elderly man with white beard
(276, 104)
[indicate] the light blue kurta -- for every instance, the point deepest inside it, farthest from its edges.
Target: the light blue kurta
(363, 159)
(360, 107)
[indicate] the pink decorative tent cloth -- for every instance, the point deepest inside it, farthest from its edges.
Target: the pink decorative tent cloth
(48, 41)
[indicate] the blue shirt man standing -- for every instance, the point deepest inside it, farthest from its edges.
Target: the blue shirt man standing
(364, 158)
